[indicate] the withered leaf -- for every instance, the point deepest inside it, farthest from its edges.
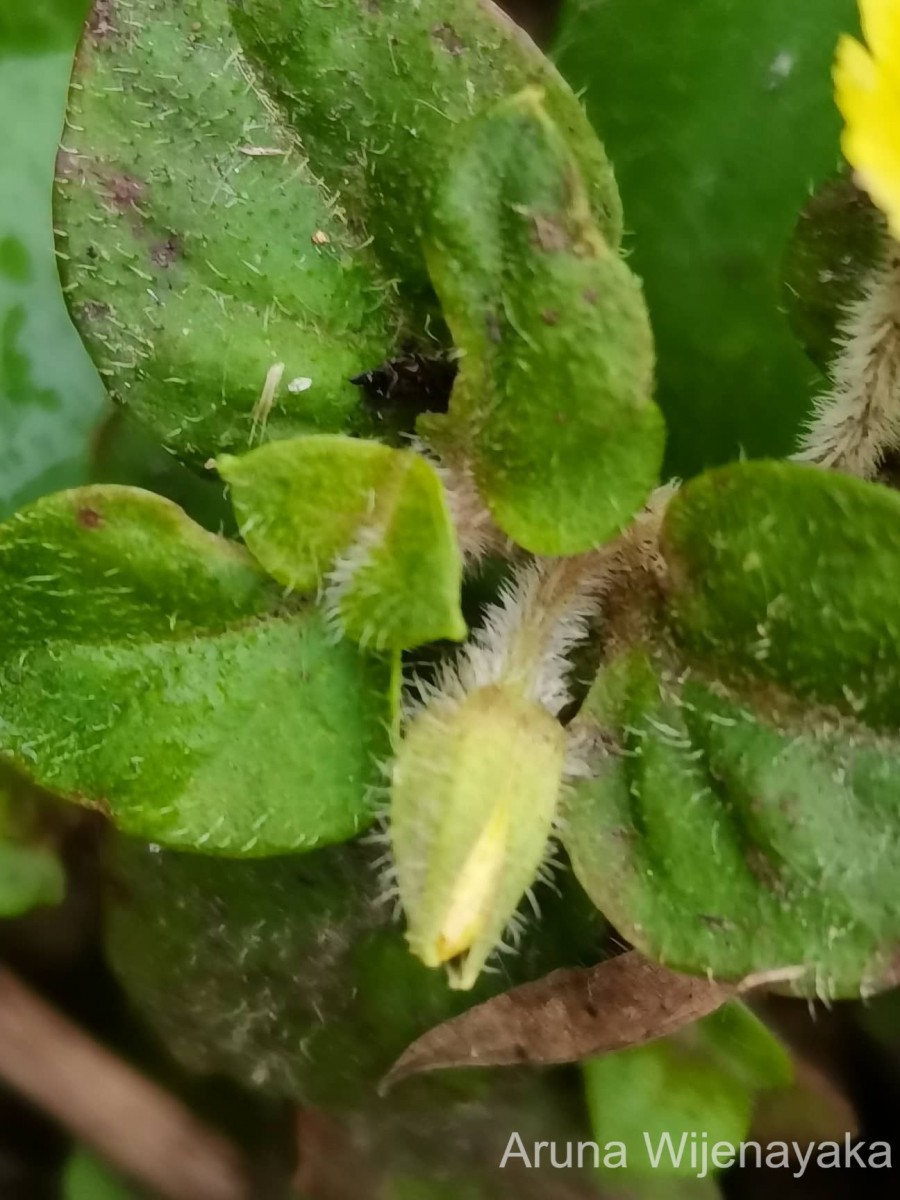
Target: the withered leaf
(567, 1016)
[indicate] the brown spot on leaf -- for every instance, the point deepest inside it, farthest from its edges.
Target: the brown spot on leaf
(101, 23)
(93, 310)
(89, 518)
(549, 233)
(163, 254)
(550, 316)
(124, 191)
(591, 295)
(448, 38)
(567, 1016)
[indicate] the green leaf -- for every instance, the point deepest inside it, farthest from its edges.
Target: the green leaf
(41, 26)
(150, 669)
(124, 451)
(791, 574)
(225, 291)
(411, 1187)
(29, 876)
(87, 1178)
(378, 91)
(731, 833)
(719, 117)
(50, 394)
(742, 815)
(552, 400)
(218, 290)
(371, 521)
(699, 1085)
(664, 1088)
(740, 1040)
(293, 977)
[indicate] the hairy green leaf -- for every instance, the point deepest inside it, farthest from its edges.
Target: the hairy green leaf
(150, 669)
(719, 117)
(791, 574)
(370, 521)
(378, 90)
(553, 395)
(210, 274)
(736, 833)
(227, 289)
(741, 815)
(290, 974)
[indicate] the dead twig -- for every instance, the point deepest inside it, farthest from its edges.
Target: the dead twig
(135, 1125)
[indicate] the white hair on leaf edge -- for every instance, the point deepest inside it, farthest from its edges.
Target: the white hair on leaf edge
(344, 577)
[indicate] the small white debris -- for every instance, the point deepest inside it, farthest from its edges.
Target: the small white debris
(300, 384)
(782, 65)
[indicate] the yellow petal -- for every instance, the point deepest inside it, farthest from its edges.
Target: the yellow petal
(881, 26)
(855, 76)
(868, 95)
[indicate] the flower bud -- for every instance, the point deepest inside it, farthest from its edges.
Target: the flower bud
(475, 789)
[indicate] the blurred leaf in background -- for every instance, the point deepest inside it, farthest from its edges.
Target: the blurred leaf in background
(40, 26)
(87, 1178)
(30, 873)
(704, 1079)
(50, 394)
(719, 120)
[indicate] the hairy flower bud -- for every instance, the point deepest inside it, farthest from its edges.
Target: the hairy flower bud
(475, 789)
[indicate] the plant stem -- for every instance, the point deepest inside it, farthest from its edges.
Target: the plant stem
(135, 1125)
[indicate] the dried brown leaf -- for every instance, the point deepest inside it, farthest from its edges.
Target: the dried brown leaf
(567, 1016)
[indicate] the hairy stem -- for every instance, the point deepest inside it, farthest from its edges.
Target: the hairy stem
(857, 421)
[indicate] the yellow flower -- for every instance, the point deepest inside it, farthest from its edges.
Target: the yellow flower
(867, 90)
